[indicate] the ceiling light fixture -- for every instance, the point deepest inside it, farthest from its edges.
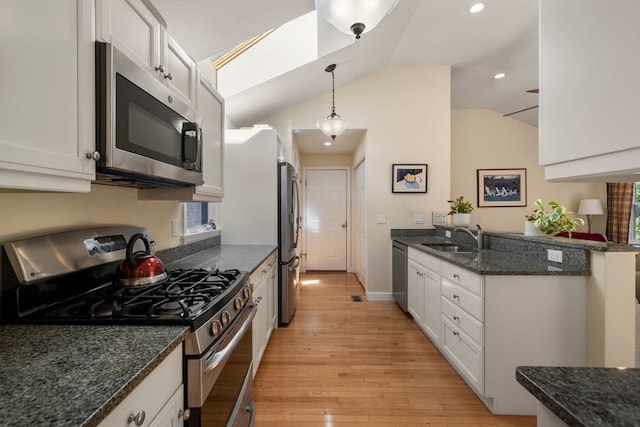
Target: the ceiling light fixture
(355, 16)
(499, 76)
(333, 125)
(476, 7)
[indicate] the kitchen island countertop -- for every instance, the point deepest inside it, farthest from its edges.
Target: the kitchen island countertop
(586, 397)
(74, 375)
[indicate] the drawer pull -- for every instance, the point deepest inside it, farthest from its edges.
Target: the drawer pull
(184, 414)
(456, 333)
(137, 419)
(456, 318)
(455, 296)
(456, 276)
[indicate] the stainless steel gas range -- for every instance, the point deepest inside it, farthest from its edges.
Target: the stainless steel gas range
(72, 277)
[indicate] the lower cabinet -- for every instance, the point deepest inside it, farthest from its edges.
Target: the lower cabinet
(158, 401)
(264, 283)
(490, 324)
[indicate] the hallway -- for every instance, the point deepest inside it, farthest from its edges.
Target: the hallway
(347, 363)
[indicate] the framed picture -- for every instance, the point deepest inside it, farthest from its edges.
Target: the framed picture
(409, 179)
(502, 187)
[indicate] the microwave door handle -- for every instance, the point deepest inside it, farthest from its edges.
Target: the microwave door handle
(190, 142)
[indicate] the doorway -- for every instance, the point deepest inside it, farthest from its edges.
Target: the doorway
(325, 218)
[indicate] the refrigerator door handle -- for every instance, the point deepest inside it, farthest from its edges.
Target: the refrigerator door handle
(294, 263)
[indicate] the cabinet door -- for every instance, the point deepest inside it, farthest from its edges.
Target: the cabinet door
(171, 414)
(415, 292)
(133, 28)
(211, 106)
(47, 112)
(259, 321)
(466, 355)
(432, 307)
(179, 69)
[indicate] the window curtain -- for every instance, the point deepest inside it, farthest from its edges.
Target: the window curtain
(619, 200)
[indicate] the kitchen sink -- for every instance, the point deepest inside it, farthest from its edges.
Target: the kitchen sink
(451, 248)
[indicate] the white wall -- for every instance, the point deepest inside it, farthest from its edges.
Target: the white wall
(483, 139)
(406, 111)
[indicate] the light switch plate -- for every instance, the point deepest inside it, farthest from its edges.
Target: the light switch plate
(381, 218)
(418, 218)
(553, 255)
(438, 218)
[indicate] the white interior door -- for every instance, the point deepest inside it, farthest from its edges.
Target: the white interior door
(326, 219)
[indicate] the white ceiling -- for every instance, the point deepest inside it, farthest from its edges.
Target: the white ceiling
(502, 38)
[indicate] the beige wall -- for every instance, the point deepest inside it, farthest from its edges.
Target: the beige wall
(33, 213)
(483, 139)
(406, 111)
(344, 159)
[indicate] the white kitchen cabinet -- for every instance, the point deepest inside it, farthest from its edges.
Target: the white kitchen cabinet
(588, 123)
(137, 29)
(423, 283)
(47, 112)
(211, 106)
(158, 401)
(263, 283)
(490, 324)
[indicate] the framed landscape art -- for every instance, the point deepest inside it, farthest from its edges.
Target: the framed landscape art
(502, 187)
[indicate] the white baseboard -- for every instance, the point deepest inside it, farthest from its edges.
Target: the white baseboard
(379, 296)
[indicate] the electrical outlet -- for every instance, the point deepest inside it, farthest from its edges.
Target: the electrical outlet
(447, 234)
(553, 255)
(418, 218)
(381, 218)
(438, 218)
(174, 228)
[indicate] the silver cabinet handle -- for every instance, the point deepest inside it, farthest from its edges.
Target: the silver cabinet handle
(93, 156)
(168, 76)
(456, 296)
(184, 414)
(160, 68)
(456, 318)
(137, 419)
(456, 276)
(456, 333)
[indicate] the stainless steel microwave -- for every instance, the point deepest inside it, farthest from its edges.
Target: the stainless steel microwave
(146, 136)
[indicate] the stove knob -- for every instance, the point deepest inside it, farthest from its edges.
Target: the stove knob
(238, 303)
(225, 317)
(246, 292)
(216, 328)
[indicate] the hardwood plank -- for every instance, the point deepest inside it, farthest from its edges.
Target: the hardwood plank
(346, 363)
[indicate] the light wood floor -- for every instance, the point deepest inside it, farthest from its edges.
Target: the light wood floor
(345, 363)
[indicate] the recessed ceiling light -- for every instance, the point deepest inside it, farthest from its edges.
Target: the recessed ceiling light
(476, 7)
(499, 76)
(328, 143)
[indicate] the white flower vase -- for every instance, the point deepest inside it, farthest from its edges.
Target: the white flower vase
(461, 220)
(530, 229)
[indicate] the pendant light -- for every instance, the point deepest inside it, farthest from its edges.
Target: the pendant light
(354, 16)
(333, 125)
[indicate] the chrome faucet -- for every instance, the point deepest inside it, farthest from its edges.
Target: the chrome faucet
(478, 237)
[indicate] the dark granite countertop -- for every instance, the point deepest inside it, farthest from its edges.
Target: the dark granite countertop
(494, 262)
(586, 397)
(74, 375)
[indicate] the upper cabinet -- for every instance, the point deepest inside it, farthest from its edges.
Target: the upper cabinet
(136, 28)
(588, 90)
(47, 106)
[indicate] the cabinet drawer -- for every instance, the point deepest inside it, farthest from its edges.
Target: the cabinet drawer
(464, 299)
(468, 280)
(464, 321)
(151, 394)
(466, 356)
(427, 261)
(263, 269)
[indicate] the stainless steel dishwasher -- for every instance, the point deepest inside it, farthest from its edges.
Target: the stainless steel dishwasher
(399, 274)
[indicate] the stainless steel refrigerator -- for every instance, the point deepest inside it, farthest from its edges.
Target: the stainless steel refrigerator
(288, 229)
(260, 204)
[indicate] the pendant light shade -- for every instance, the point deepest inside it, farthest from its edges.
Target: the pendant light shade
(333, 125)
(354, 16)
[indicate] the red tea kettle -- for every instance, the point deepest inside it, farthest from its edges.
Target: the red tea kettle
(140, 268)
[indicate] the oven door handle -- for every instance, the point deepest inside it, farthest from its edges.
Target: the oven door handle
(221, 356)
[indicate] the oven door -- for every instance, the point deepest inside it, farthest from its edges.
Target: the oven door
(219, 382)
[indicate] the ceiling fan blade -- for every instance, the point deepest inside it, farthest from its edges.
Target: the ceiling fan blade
(519, 111)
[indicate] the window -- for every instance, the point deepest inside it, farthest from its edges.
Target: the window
(199, 217)
(634, 224)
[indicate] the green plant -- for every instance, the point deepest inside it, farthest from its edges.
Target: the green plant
(460, 205)
(554, 221)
